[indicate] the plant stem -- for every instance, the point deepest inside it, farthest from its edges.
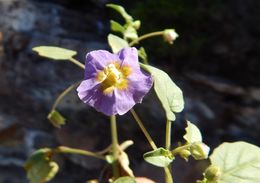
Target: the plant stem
(114, 146)
(145, 36)
(77, 63)
(63, 94)
(147, 135)
(168, 134)
(63, 149)
(167, 170)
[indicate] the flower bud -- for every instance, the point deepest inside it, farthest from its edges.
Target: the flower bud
(170, 35)
(137, 24)
(185, 154)
(199, 151)
(212, 173)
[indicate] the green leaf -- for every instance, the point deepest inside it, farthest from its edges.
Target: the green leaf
(238, 162)
(125, 179)
(167, 91)
(130, 33)
(192, 133)
(55, 53)
(142, 54)
(116, 43)
(117, 27)
(56, 118)
(122, 12)
(159, 157)
(40, 168)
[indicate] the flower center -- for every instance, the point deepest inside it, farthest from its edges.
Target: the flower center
(113, 76)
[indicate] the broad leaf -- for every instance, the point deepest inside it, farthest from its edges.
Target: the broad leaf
(116, 43)
(56, 118)
(167, 91)
(192, 133)
(238, 162)
(55, 53)
(117, 27)
(125, 180)
(159, 157)
(122, 12)
(40, 168)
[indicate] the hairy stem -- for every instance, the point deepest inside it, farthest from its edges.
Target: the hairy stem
(145, 36)
(147, 135)
(63, 149)
(167, 170)
(76, 62)
(114, 146)
(63, 94)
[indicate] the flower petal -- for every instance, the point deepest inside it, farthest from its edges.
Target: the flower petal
(129, 57)
(124, 101)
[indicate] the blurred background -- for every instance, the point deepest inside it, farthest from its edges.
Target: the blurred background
(215, 61)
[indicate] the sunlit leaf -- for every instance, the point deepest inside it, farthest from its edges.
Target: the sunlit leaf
(167, 91)
(159, 157)
(192, 133)
(117, 27)
(125, 179)
(238, 162)
(116, 43)
(122, 12)
(40, 168)
(130, 33)
(56, 118)
(55, 53)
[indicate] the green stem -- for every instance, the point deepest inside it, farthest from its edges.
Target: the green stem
(77, 63)
(63, 149)
(63, 94)
(167, 170)
(168, 175)
(147, 135)
(168, 134)
(114, 146)
(145, 36)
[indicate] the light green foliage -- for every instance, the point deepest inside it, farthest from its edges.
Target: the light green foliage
(56, 118)
(192, 133)
(121, 11)
(142, 54)
(159, 157)
(130, 33)
(117, 27)
(125, 179)
(239, 162)
(55, 53)
(167, 91)
(116, 43)
(39, 166)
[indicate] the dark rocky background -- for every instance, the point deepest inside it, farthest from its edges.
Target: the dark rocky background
(215, 61)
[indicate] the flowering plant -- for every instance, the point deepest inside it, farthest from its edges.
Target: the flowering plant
(113, 84)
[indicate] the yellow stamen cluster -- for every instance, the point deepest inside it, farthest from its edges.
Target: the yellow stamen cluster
(114, 76)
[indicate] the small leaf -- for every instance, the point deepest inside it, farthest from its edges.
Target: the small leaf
(159, 157)
(167, 91)
(238, 162)
(55, 53)
(122, 12)
(125, 179)
(56, 118)
(192, 133)
(130, 33)
(40, 168)
(116, 43)
(142, 54)
(110, 158)
(117, 27)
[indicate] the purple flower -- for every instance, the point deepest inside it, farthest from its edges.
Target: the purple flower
(113, 83)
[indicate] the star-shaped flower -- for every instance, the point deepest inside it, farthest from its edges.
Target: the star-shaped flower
(113, 83)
